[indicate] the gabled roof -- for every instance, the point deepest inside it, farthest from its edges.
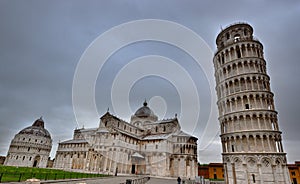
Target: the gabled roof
(183, 134)
(137, 155)
(74, 141)
(167, 120)
(157, 136)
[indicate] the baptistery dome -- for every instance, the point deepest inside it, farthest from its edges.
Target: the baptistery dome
(36, 129)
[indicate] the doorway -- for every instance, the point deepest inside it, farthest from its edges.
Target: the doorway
(36, 161)
(133, 169)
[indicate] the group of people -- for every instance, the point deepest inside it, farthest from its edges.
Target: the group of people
(183, 181)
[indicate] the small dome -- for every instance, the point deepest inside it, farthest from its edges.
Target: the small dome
(36, 129)
(144, 111)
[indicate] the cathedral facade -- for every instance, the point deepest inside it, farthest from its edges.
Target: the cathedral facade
(146, 145)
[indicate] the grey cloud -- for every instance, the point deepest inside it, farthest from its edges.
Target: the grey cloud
(41, 43)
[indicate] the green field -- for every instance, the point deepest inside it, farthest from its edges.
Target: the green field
(10, 174)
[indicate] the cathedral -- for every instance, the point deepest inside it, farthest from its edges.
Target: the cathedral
(146, 145)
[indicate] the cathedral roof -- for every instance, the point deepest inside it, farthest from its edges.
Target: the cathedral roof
(157, 136)
(36, 129)
(74, 141)
(183, 134)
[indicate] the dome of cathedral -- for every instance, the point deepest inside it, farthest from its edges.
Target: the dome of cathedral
(144, 111)
(36, 129)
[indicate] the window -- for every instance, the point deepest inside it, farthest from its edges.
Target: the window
(227, 35)
(28, 149)
(232, 148)
(247, 106)
(238, 53)
(236, 38)
(253, 178)
(156, 146)
(265, 86)
(23, 157)
(293, 174)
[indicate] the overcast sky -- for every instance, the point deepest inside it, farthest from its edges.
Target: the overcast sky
(41, 43)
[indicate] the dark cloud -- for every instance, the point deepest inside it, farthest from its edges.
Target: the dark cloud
(41, 43)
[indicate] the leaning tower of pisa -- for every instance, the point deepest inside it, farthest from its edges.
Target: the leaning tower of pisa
(250, 135)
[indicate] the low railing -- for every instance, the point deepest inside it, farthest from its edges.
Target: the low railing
(137, 181)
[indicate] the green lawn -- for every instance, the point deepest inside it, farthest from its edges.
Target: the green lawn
(10, 174)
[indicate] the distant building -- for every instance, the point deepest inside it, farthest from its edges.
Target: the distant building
(50, 163)
(294, 170)
(30, 147)
(212, 171)
(203, 170)
(216, 171)
(146, 145)
(2, 159)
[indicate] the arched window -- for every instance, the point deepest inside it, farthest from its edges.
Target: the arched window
(227, 35)
(238, 53)
(237, 37)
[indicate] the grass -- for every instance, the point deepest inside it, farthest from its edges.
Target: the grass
(11, 174)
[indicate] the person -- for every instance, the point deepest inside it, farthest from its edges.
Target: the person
(179, 180)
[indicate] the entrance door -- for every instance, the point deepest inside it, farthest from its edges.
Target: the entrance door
(133, 169)
(36, 161)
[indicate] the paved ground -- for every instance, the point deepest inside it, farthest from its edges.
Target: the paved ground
(120, 179)
(110, 180)
(161, 181)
